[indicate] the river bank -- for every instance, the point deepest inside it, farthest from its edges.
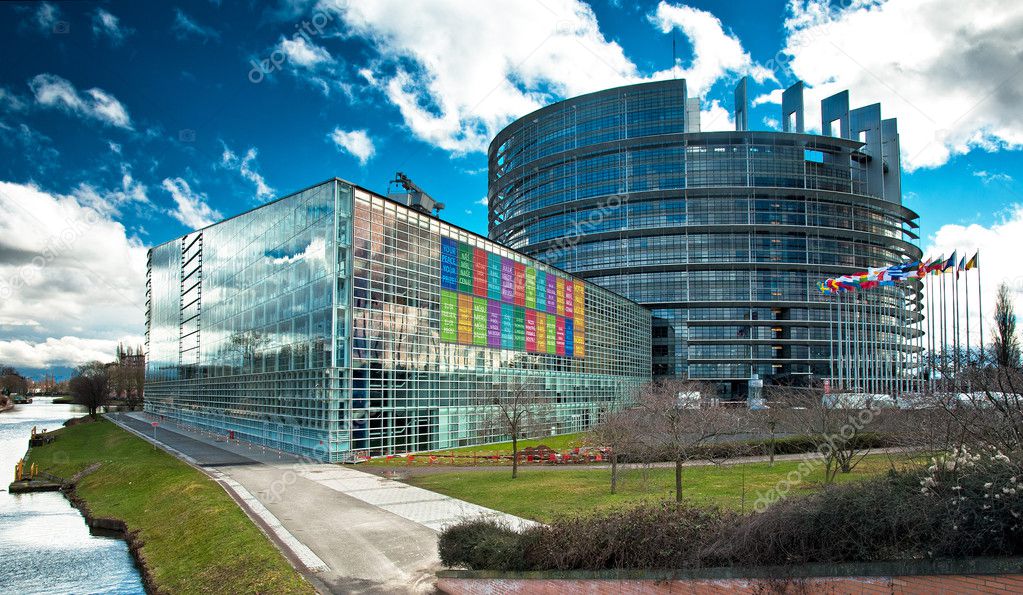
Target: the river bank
(45, 544)
(186, 533)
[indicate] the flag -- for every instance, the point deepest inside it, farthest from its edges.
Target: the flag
(974, 262)
(951, 262)
(961, 267)
(935, 265)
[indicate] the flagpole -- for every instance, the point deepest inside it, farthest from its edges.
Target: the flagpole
(930, 330)
(966, 281)
(980, 305)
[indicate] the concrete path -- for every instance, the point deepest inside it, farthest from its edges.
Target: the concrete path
(349, 531)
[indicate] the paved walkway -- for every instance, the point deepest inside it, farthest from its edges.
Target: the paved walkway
(349, 531)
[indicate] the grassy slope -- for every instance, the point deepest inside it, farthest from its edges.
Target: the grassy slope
(574, 491)
(562, 442)
(196, 538)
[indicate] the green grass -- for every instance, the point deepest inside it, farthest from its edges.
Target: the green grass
(463, 454)
(197, 539)
(543, 494)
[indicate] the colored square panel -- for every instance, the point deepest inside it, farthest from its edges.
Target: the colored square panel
(493, 276)
(465, 268)
(448, 263)
(530, 288)
(448, 316)
(569, 338)
(559, 336)
(541, 291)
(552, 294)
(552, 334)
(530, 330)
(465, 319)
(520, 284)
(479, 272)
(493, 323)
(507, 326)
(541, 332)
(560, 285)
(569, 298)
(479, 321)
(520, 328)
(507, 280)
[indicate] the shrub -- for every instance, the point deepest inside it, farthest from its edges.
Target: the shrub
(482, 544)
(965, 504)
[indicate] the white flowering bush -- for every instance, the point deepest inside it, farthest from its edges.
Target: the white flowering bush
(979, 493)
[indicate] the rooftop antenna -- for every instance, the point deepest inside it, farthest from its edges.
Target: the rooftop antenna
(674, 60)
(415, 196)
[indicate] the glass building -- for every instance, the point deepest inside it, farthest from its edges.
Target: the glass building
(724, 235)
(335, 321)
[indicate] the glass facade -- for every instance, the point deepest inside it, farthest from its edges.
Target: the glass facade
(321, 324)
(724, 235)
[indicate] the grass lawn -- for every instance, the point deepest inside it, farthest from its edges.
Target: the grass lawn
(197, 540)
(543, 494)
(463, 455)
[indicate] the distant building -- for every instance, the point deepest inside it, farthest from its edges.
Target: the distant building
(336, 320)
(723, 235)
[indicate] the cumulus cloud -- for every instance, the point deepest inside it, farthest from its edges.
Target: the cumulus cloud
(185, 27)
(308, 62)
(245, 166)
(952, 82)
(191, 208)
(456, 87)
(715, 51)
(72, 282)
(999, 246)
(109, 202)
(356, 143)
(105, 24)
(53, 91)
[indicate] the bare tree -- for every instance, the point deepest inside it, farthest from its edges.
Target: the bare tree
(90, 386)
(519, 408)
(679, 418)
(1006, 343)
(619, 430)
(835, 425)
(12, 382)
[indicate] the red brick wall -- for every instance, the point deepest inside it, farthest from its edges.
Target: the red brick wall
(929, 585)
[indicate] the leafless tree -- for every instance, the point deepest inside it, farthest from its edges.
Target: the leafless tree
(12, 382)
(519, 408)
(90, 386)
(835, 425)
(679, 417)
(619, 430)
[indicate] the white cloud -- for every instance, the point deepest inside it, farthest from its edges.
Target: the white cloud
(952, 82)
(483, 201)
(716, 117)
(460, 72)
(303, 53)
(988, 177)
(185, 27)
(246, 167)
(715, 52)
(47, 19)
(72, 283)
(191, 208)
(356, 143)
(105, 24)
(108, 203)
(53, 91)
(999, 246)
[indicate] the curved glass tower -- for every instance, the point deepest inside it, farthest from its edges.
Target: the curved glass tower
(723, 235)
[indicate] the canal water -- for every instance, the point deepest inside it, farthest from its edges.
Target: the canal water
(45, 545)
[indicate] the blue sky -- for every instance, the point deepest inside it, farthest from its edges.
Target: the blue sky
(146, 119)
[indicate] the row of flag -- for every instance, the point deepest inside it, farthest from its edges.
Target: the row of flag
(897, 273)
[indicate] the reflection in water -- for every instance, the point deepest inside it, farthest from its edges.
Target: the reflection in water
(45, 545)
